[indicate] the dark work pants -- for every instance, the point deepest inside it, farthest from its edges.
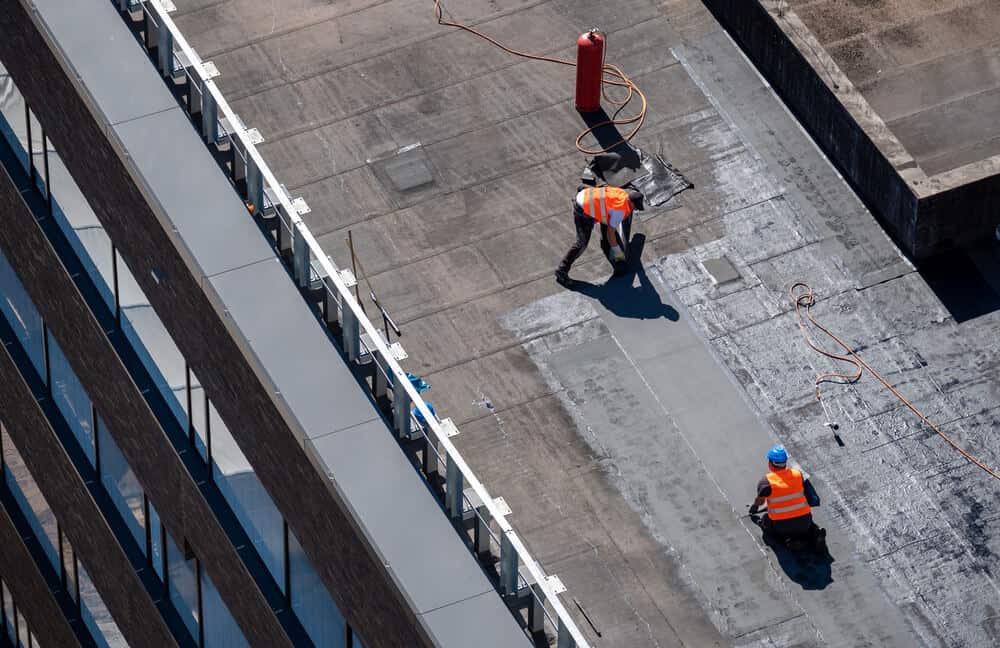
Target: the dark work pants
(584, 228)
(795, 527)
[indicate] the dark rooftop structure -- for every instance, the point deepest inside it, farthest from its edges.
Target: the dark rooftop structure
(901, 95)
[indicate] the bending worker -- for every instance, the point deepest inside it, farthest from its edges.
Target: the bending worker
(608, 206)
(785, 491)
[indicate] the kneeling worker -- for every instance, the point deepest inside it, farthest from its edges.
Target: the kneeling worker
(785, 491)
(609, 207)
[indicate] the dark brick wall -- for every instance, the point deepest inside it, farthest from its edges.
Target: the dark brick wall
(78, 515)
(30, 591)
(962, 214)
(920, 227)
(361, 587)
(129, 421)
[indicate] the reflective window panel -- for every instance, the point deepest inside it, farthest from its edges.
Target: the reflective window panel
(183, 582)
(96, 617)
(311, 602)
(30, 500)
(152, 343)
(80, 225)
(246, 495)
(21, 315)
(221, 630)
(71, 399)
(121, 484)
(8, 612)
(13, 117)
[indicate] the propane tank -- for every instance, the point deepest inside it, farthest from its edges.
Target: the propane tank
(589, 71)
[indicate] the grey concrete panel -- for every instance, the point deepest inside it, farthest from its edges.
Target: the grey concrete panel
(955, 158)
(297, 356)
(942, 80)
(477, 621)
(405, 524)
(923, 32)
(959, 124)
(106, 58)
(180, 177)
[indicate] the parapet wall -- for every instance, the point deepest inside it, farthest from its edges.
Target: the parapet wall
(924, 214)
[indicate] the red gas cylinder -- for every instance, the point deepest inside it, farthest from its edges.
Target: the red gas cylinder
(589, 71)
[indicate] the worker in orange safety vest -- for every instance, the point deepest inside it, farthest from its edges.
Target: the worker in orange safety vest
(787, 494)
(606, 206)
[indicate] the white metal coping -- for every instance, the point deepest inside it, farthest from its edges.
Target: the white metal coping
(347, 299)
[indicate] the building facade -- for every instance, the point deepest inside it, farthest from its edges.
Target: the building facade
(188, 457)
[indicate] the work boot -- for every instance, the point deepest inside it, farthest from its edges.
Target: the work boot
(562, 278)
(617, 255)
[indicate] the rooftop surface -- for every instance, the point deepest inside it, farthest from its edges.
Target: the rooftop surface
(625, 422)
(930, 69)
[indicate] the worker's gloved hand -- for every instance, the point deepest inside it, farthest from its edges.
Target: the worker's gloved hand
(754, 509)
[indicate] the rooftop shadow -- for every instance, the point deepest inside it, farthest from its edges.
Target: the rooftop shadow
(608, 135)
(621, 296)
(967, 281)
(812, 571)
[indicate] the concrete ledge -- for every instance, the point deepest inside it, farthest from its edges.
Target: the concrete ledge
(924, 214)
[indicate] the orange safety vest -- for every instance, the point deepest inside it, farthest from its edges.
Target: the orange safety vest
(605, 203)
(788, 495)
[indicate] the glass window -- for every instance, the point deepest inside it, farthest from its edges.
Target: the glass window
(183, 581)
(22, 316)
(199, 415)
(152, 343)
(8, 612)
(30, 499)
(221, 630)
(69, 566)
(13, 125)
(120, 483)
(156, 541)
(71, 399)
(311, 602)
(246, 495)
(22, 629)
(81, 227)
(96, 617)
(37, 150)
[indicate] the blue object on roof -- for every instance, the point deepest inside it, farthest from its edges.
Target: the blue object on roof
(418, 383)
(420, 417)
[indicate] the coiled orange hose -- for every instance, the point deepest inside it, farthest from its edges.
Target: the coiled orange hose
(804, 299)
(619, 79)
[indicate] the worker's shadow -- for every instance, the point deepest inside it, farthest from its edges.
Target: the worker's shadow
(630, 293)
(811, 570)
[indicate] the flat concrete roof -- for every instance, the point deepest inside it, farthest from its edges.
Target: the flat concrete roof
(626, 422)
(931, 70)
(273, 324)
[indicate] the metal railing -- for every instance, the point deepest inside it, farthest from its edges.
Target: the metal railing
(521, 581)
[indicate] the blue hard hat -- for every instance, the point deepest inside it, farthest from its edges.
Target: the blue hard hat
(777, 455)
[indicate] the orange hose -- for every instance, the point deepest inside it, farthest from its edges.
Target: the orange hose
(805, 299)
(619, 79)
